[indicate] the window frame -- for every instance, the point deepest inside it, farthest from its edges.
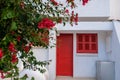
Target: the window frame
(92, 45)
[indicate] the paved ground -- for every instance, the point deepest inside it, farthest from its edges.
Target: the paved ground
(71, 78)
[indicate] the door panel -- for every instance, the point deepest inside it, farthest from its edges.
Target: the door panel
(64, 55)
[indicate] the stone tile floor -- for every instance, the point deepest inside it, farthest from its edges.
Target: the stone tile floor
(71, 78)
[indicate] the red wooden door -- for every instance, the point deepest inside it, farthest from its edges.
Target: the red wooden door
(64, 55)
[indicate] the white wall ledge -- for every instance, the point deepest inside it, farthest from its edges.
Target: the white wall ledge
(86, 26)
(95, 19)
(117, 29)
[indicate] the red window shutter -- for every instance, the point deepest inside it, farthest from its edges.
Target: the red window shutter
(87, 43)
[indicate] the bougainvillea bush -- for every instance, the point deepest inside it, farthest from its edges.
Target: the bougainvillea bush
(25, 24)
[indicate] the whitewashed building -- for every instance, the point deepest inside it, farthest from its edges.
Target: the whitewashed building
(79, 47)
(95, 38)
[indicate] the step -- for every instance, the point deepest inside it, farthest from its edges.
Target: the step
(71, 78)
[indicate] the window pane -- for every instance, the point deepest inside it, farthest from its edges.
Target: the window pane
(80, 38)
(80, 47)
(94, 47)
(93, 38)
(86, 46)
(86, 38)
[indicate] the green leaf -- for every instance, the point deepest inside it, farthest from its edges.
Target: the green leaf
(13, 26)
(24, 77)
(32, 78)
(7, 13)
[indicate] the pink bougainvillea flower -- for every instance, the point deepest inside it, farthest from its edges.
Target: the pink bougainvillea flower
(2, 75)
(26, 49)
(76, 19)
(54, 2)
(67, 11)
(14, 58)
(84, 2)
(31, 44)
(1, 53)
(18, 38)
(72, 13)
(12, 47)
(46, 23)
(72, 17)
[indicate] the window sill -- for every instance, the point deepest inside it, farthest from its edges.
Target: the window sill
(87, 54)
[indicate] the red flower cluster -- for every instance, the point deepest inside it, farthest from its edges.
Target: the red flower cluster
(54, 2)
(1, 53)
(71, 2)
(14, 58)
(74, 18)
(12, 47)
(46, 23)
(26, 49)
(18, 38)
(67, 11)
(2, 75)
(84, 2)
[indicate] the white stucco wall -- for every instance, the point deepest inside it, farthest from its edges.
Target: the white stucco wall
(98, 8)
(40, 53)
(85, 64)
(43, 54)
(115, 9)
(52, 56)
(94, 8)
(83, 26)
(115, 55)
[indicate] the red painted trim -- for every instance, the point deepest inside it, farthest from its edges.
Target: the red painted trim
(87, 43)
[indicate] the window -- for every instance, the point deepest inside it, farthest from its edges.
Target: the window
(87, 43)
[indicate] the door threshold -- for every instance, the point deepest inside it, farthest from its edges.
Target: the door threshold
(72, 78)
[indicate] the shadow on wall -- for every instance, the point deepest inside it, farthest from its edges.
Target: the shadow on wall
(115, 9)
